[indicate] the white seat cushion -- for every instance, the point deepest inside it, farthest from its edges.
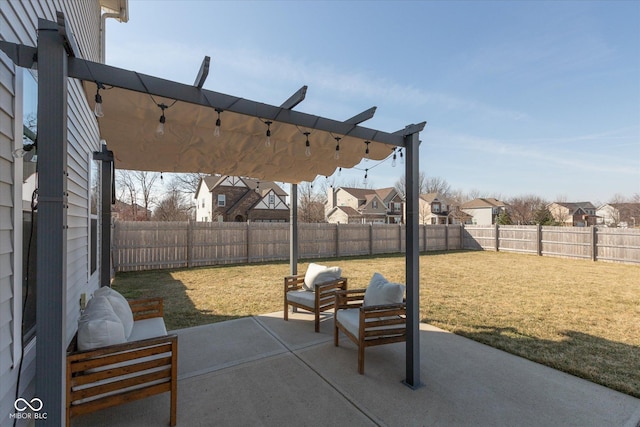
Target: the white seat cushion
(147, 328)
(99, 326)
(317, 273)
(306, 298)
(381, 292)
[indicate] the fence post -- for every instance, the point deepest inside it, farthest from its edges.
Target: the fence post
(446, 237)
(248, 242)
(337, 239)
(539, 239)
(424, 232)
(497, 244)
(399, 238)
(461, 236)
(370, 238)
(594, 243)
(189, 244)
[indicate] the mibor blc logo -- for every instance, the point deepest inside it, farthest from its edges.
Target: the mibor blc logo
(28, 410)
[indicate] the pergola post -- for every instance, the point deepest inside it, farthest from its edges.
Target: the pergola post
(293, 230)
(51, 299)
(412, 144)
(106, 157)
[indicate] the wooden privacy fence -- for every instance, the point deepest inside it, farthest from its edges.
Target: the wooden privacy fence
(594, 243)
(157, 245)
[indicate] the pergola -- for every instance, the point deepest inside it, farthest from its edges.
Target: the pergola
(132, 104)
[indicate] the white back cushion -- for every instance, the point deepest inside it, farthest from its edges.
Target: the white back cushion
(99, 326)
(380, 291)
(317, 273)
(120, 307)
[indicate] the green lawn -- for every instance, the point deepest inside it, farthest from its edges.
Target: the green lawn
(577, 316)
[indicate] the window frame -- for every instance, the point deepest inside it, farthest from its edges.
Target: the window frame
(222, 200)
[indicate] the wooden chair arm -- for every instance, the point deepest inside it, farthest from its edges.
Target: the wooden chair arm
(293, 283)
(385, 310)
(349, 298)
(147, 308)
(331, 285)
(121, 348)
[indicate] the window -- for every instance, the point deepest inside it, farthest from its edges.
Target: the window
(221, 200)
(94, 203)
(272, 199)
(435, 207)
(374, 204)
(29, 204)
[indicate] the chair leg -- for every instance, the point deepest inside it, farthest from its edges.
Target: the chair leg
(361, 359)
(317, 321)
(286, 309)
(335, 332)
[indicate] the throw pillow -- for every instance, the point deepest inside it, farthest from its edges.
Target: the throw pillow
(380, 291)
(99, 326)
(317, 273)
(120, 307)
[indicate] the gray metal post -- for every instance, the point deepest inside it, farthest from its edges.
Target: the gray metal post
(106, 156)
(412, 145)
(51, 299)
(293, 230)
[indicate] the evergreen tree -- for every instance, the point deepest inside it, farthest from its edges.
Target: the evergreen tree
(543, 216)
(504, 218)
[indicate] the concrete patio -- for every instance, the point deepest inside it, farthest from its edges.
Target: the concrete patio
(265, 371)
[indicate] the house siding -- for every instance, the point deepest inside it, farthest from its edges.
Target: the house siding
(18, 24)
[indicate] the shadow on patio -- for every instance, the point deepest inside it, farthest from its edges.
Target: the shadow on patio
(264, 371)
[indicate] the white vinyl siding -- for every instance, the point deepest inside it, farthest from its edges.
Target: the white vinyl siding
(18, 24)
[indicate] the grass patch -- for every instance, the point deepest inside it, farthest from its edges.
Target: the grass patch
(577, 316)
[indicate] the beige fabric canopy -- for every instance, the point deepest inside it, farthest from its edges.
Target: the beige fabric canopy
(189, 145)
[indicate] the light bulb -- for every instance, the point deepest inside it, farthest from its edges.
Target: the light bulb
(339, 171)
(393, 161)
(401, 158)
(216, 131)
(366, 152)
(337, 156)
(267, 141)
(366, 173)
(97, 108)
(160, 129)
(307, 151)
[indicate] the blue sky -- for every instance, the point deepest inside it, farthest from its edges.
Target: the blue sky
(520, 97)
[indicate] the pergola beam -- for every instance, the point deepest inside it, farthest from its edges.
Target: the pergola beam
(362, 117)
(295, 99)
(203, 73)
(125, 79)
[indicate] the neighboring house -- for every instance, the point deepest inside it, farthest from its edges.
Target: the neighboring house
(363, 206)
(483, 211)
(18, 114)
(619, 214)
(435, 209)
(576, 214)
(235, 199)
(130, 212)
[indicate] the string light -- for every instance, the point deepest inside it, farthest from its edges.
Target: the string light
(162, 120)
(307, 150)
(161, 178)
(267, 141)
(97, 108)
(258, 187)
(339, 171)
(216, 131)
(366, 152)
(401, 158)
(393, 161)
(337, 155)
(366, 175)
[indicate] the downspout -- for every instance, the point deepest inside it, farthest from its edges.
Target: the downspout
(103, 34)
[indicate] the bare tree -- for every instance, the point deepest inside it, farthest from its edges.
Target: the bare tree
(138, 187)
(401, 185)
(310, 203)
(523, 208)
(436, 184)
(172, 207)
(187, 183)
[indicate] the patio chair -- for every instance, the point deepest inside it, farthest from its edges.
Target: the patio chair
(373, 316)
(313, 291)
